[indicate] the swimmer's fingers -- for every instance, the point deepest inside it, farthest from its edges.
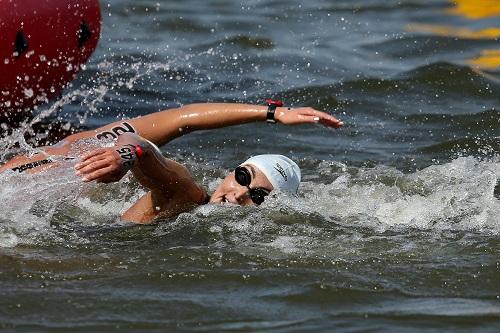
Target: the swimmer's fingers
(91, 157)
(95, 152)
(106, 165)
(305, 119)
(104, 175)
(91, 167)
(80, 167)
(323, 118)
(331, 121)
(306, 116)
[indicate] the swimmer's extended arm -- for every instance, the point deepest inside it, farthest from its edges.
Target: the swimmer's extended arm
(162, 127)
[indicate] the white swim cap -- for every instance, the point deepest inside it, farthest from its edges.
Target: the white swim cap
(282, 172)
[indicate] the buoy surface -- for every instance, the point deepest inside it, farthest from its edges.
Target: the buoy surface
(43, 44)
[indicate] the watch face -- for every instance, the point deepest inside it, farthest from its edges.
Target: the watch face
(270, 114)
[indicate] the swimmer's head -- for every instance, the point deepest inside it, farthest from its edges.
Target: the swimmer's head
(257, 177)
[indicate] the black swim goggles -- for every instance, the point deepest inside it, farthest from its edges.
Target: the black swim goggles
(244, 178)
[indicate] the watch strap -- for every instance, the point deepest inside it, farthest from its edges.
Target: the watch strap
(271, 109)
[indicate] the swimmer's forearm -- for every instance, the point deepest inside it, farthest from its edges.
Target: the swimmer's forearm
(152, 169)
(216, 115)
(147, 166)
(130, 152)
(164, 126)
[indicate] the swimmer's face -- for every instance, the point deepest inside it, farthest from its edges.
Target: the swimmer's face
(231, 191)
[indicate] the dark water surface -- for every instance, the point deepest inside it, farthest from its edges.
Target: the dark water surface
(396, 227)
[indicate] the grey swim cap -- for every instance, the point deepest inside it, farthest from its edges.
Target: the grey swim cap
(282, 172)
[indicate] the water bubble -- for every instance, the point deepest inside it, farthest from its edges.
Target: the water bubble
(28, 93)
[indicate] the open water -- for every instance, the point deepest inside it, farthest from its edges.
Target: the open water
(396, 227)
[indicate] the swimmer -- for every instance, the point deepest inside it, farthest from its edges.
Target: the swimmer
(172, 189)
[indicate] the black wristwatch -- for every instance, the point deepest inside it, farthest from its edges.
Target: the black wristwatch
(271, 108)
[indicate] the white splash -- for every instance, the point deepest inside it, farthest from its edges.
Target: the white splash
(457, 195)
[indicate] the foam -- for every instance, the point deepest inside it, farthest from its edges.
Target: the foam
(458, 195)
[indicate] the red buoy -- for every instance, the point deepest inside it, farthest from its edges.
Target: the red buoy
(43, 44)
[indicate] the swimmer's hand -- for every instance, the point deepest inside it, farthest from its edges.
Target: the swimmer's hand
(305, 115)
(104, 165)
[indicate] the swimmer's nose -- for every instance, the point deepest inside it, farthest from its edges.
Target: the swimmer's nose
(239, 194)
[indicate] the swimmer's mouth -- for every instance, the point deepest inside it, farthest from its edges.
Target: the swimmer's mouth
(225, 200)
